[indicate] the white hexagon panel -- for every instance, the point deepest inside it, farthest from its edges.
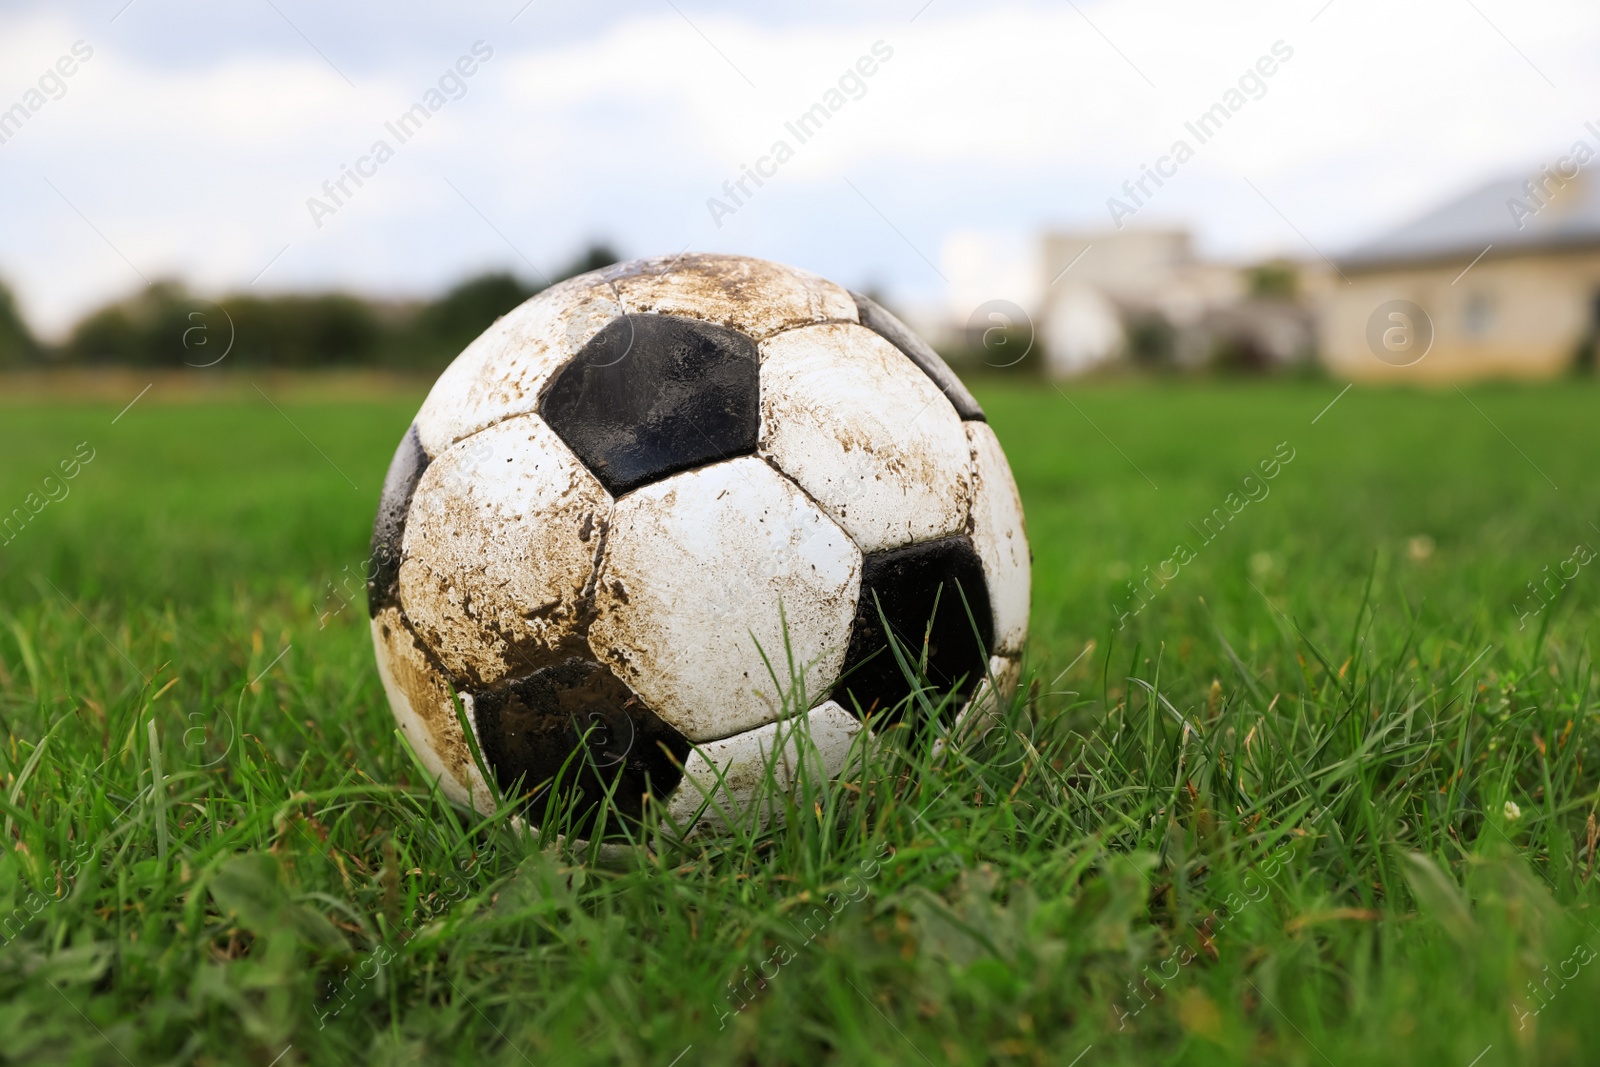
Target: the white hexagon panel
(499, 549)
(752, 296)
(738, 779)
(866, 433)
(713, 582)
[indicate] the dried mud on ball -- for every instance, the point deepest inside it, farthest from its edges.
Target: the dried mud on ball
(383, 564)
(875, 318)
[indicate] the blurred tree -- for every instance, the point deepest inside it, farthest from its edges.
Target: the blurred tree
(444, 327)
(440, 329)
(1277, 279)
(146, 329)
(310, 330)
(1583, 363)
(17, 346)
(599, 254)
(1152, 342)
(165, 325)
(1240, 353)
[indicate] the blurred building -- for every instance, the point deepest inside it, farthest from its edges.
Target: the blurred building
(1506, 278)
(1144, 297)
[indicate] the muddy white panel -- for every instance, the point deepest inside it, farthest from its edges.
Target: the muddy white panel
(422, 706)
(866, 433)
(702, 572)
(499, 549)
(501, 372)
(750, 295)
(998, 534)
(725, 781)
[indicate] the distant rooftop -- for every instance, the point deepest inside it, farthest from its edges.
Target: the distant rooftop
(1469, 224)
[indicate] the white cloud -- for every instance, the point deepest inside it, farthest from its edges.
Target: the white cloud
(998, 118)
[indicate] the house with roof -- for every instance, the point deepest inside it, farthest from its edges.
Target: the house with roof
(1145, 296)
(1503, 282)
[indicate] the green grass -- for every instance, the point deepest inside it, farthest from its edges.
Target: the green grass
(1268, 819)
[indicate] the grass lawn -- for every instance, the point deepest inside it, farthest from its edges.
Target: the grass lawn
(1304, 772)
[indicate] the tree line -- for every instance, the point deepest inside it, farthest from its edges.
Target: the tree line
(165, 325)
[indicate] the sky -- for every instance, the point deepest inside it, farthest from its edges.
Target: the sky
(193, 140)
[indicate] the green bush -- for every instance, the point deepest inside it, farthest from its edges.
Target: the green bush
(450, 323)
(17, 346)
(167, 326)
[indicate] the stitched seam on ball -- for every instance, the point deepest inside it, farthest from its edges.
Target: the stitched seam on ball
(533, 412)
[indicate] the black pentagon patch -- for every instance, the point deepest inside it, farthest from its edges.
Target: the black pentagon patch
(383, 564)
(907, 583)
(897, 333)
(651, 395)
(576, 728)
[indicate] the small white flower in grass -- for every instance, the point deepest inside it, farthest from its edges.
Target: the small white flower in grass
(1511, 811)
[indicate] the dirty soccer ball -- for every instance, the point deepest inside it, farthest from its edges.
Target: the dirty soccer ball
(659, 508)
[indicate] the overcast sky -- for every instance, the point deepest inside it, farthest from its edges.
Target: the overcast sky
(190, 140)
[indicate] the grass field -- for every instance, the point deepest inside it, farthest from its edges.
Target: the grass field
(1322, 793)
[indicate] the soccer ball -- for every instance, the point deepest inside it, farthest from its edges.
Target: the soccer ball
(657, 516)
